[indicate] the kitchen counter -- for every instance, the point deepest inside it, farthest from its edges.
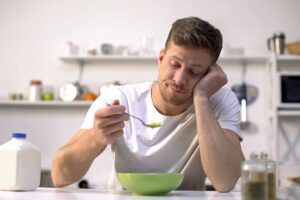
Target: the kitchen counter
(95, 194)
(288, 193)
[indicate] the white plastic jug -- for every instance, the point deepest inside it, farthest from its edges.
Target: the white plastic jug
(20, 164)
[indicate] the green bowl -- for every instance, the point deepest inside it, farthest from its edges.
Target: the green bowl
(150, 183)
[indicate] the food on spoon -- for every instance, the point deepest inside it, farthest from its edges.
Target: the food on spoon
(154, 124)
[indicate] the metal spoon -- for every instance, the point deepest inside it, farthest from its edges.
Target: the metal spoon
(150, 125)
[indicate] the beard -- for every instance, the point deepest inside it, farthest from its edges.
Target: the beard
(172, 98)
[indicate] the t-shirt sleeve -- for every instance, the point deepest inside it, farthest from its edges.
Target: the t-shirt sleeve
(100, 102)
(89, 117)
(227, 110)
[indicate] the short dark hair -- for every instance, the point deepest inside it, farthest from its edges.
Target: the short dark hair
(196, 33)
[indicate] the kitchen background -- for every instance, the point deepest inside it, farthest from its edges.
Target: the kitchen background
(34, 36)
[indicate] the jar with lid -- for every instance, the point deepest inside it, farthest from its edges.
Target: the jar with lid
(271, 175)
(35, 90)
(254, 179)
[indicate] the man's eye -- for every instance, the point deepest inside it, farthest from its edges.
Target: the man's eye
(175, 65)
(194, 73)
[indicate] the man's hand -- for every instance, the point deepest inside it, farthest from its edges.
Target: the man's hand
(109, 123)
(211, 82)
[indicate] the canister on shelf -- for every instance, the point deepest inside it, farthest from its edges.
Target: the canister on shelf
(254, 179)
(35, 90)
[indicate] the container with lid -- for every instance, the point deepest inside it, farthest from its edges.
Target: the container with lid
(254, 179)
(276, 43)
(271, 175)
(35, 90)
(20, 164)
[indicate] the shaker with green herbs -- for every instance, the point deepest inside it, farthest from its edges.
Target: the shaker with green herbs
(271, 175)
(254, 179)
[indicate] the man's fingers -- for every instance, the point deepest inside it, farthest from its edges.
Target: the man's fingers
(113, 128)
(109, 111)
(115, 102)
(107, 121)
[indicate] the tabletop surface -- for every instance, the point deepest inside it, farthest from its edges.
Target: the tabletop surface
(291, 193)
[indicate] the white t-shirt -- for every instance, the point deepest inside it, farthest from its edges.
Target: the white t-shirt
(171, 148)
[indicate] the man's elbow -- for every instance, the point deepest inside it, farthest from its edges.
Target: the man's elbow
(57, 182)
(58, 178)
(225, 186)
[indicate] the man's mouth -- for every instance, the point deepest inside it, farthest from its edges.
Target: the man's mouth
(176, 89)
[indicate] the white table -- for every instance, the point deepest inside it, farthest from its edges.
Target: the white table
(291, 193)
(93, 194)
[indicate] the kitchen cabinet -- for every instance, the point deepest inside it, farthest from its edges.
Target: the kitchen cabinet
(284, 118)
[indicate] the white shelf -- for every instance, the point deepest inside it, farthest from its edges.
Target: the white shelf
(45, 103)
(249, 58)
(289, 106)
(98, 58)
(107, 58)
(289, 113)
(288, 57)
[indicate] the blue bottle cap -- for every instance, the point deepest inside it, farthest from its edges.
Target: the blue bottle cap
(18, 135)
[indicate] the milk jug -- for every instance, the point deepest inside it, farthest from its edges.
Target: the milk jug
(20, 164)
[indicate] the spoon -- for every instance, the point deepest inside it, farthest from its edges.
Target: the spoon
(150, 125)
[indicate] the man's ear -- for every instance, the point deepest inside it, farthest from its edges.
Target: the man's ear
(161, 55)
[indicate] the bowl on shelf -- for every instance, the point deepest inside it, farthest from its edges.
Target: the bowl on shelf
(150, 183)
(293, 48)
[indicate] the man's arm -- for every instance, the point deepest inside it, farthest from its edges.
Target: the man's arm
(72, 161)
(220, 149)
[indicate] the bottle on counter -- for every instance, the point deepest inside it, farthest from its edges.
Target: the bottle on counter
(35, 90)
(20, 164)
(254, 179)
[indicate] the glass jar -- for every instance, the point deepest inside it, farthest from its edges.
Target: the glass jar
(254, 179)
(271, 175)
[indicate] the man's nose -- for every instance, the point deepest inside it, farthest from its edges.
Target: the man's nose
(180, 77)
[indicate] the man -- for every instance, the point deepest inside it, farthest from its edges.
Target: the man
(200, 118)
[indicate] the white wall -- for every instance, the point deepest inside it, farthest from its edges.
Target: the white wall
(33, 34)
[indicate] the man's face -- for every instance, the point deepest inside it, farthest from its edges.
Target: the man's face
(180, 69)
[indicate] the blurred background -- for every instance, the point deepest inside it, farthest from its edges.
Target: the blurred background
(67, 51)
